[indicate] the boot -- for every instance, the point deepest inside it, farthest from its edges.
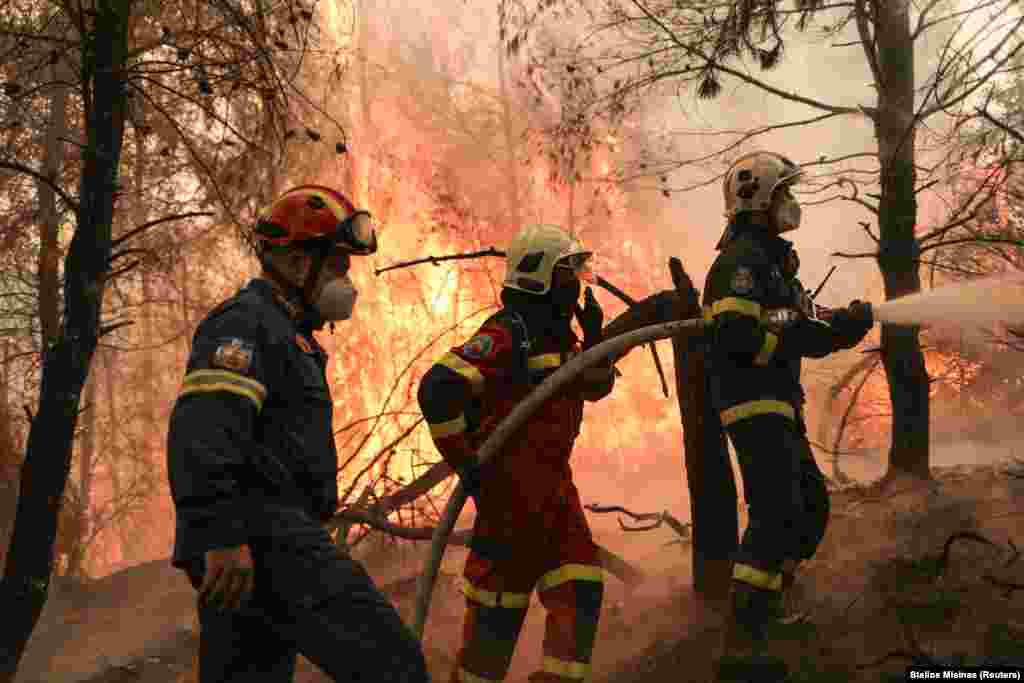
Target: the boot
(744, 657)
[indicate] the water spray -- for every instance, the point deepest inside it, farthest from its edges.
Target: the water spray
(978, 303)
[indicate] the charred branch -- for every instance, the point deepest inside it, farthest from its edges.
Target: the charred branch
(657, 518)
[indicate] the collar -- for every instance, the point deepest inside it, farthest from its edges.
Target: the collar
(288, 304)
(773, 243)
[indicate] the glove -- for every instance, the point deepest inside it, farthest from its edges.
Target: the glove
(852, 324)
(591, 319)
(471, 477)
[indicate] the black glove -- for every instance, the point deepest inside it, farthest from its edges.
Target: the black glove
(591, 319)
(471, 477)
(852, 324)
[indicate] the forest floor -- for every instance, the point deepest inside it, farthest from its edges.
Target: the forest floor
(879, 592)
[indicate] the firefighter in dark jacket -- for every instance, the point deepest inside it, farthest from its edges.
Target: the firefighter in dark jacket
(253, 467)
(764, 322)
(530, 530)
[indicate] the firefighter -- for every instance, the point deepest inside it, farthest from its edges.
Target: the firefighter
(530, 529)
(762, 323)
(253, 468)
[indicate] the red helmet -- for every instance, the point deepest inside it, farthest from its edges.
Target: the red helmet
(315, 212)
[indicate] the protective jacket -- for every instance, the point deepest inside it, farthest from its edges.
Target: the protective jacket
(251, 425)
(467, 393)
(764, 322)
(530, 530)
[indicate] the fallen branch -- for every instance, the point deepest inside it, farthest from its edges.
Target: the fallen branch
(961, 535)
(1008, 586)
(614, 564)
(658, 518)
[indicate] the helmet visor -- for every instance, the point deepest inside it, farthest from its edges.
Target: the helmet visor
(357, 234)
(582, 266)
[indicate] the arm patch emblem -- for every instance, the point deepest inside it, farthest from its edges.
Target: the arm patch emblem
(743, 281)
(479, 346)
(233, 354)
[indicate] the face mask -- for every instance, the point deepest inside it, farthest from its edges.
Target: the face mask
(337, 299)
(787, 215)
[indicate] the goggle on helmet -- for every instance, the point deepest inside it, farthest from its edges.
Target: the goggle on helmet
(309, 216)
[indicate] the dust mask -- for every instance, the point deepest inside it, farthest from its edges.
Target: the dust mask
(337, 299)
(787, 215)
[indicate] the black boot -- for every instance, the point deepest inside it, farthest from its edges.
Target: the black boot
(744, 657)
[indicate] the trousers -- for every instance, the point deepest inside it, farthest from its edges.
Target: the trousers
(553, 553)
(786, 496)
(310, 598)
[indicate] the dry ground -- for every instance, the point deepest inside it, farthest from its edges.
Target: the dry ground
(878, 589)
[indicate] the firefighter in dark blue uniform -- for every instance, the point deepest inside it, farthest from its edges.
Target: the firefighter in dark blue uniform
(764, 322)
(253, 467)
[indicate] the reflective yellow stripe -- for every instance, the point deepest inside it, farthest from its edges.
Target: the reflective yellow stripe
(757, 577)
(771, 340)
(491, 599)
(470, 677)
(544, 361)
(561, 667)
(205, 381)
(736, 305)
(449, 428)
(570, 572)
(752, 408)
(467, 370)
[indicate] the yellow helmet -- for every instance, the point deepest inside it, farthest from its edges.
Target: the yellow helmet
(752, 180)
(535, 251)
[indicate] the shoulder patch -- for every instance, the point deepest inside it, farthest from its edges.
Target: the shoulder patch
(479, 346)
(233, 354)
(743, 281)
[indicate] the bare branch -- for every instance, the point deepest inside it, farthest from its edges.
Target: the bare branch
(746, 78)
(146, 226)
(21, 168)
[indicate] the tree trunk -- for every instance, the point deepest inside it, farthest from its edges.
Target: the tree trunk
(709, 476)
(899, 251)
(113, 448)
(86, 458)
(65, 363)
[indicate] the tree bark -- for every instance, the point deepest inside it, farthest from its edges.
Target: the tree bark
(712, 486)
(65, 363)
(86, 458)
(899, 251)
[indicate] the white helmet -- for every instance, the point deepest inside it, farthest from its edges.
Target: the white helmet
(751, 182)
(535, 251)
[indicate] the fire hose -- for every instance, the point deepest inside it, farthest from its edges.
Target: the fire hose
(616, 347)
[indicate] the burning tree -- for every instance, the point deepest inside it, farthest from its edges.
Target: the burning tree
(648, 45)
(214, 89)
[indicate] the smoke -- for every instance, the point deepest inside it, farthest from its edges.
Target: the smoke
(984, 302)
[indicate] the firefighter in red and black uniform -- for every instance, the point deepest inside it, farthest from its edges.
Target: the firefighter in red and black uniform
(764, 322)
(253, 467)
(530, 529)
